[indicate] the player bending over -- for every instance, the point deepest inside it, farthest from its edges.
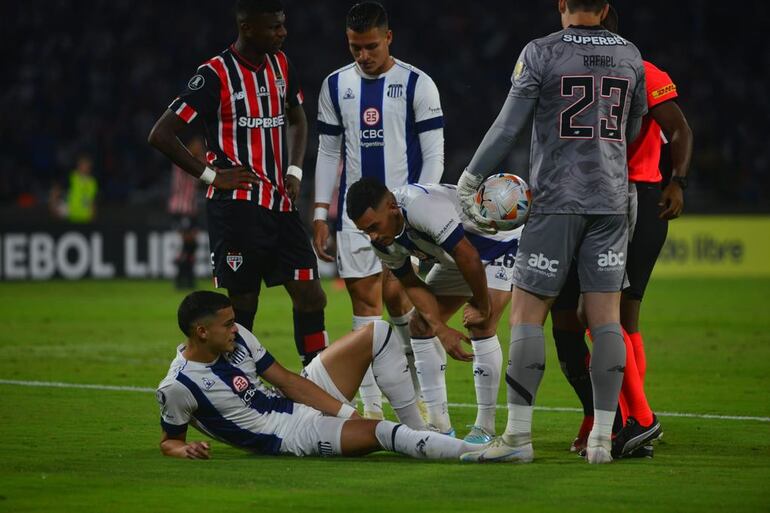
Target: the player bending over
(426, 221)
(215, 384)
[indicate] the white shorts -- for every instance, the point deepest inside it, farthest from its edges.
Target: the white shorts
(310, 432)
(355, 255)
(444, 280)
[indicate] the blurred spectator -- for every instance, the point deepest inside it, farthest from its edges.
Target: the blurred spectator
(81, 195)
(93, 73)
(183, 207)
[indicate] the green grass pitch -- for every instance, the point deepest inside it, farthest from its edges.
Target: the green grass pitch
(82, 450)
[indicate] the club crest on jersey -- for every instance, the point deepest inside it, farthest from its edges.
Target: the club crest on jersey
(207, 383)
(371, 116)
(281, 85)
(234, 260)
(349, 95)
(395, 90)
(240, 383)
(196, 82)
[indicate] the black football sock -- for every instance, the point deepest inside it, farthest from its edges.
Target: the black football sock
(574, 357)
(310, 335)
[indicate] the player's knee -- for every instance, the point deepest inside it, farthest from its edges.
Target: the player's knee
(380, 333)
(418, 326)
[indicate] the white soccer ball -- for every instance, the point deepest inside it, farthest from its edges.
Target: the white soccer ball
(503, 199)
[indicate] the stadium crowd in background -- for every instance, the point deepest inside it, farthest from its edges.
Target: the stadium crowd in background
(110, 67)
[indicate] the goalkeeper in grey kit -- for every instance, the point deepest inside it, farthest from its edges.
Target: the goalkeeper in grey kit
(586, 88)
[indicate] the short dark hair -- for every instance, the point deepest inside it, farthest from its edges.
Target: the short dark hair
(244, 9)
(611, 22)
(586, 5)
(197, 305)
(365, 193)
(367, 15)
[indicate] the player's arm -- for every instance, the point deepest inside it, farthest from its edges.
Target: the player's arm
(176, 408)
(469, 262)
(429, 124)
(297, 137)
(200, 98)
(495, 146)
(296, 132)
(330, 130)
(499, 139)
(501, 136)
(302, 390)
(176, 446)
(674, 125)
(426, 303)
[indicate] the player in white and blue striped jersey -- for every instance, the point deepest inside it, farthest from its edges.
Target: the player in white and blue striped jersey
(472, 267)
(378, 117)
(215, 384)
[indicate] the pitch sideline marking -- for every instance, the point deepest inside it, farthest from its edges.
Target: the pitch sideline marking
(118, 388)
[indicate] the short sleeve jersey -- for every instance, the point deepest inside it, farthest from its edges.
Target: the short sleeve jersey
(243, 109)
(644, 152)
(226, 399)
(434, 224)
(587, 82)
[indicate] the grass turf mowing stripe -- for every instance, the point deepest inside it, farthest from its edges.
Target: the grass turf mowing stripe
(55, 384)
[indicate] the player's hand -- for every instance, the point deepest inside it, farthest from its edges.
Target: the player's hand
(672, 201)
(467, 187)
(321, 240)
(452, 340)
(239, 177)
(292, 187)
(473, 317)
(197, 450)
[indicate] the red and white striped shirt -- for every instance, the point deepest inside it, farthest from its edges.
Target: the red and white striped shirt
(243, 109)
(184, 193)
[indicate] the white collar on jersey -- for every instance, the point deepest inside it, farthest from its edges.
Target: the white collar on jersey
(374, 77)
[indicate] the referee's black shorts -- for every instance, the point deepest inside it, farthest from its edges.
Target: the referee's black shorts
(648, 237)
(250, 243)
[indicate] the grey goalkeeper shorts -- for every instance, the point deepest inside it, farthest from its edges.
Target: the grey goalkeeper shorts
(550, 241)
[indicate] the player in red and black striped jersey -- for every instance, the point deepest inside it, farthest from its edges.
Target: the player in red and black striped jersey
(249, 101)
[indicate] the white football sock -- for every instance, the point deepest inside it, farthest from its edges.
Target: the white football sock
(519, 429)
(370, 393)
(392, 375)
(401, 329)
(487, 365)
(602, 429)
(430, 360)
(419, 444)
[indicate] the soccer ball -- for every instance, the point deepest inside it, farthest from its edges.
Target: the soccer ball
(504, 199)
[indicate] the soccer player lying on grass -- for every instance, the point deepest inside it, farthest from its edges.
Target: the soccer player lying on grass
(214, 383)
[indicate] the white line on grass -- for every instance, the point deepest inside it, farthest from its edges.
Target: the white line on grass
(117, 388)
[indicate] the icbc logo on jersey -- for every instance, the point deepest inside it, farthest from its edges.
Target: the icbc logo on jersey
(240, 383)
(371, 116)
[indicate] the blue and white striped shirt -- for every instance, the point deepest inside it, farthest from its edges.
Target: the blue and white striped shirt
(388, 126)
(226, 399)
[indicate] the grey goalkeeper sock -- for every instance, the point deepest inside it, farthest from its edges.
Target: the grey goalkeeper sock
(608, 364)
(526, 363)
